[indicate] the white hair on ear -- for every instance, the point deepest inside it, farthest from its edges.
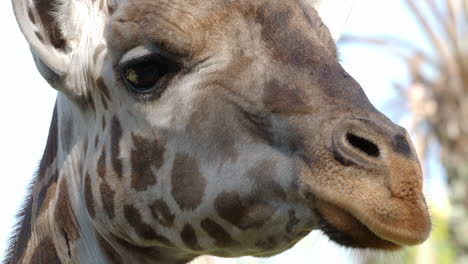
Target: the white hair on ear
(71, 16)
(334, 14)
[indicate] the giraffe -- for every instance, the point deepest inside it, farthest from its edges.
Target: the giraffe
(218, 127)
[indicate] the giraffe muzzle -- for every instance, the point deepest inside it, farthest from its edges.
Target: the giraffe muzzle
(375, 199)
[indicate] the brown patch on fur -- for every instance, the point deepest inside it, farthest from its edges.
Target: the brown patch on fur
(101, 164)
(107, 197)
(45, 252)
(43, 204)
(244, 213)
(264, 174)
(189, 237)
(144, 230)
(63, 215)
(162, 213)
(116, 135)
(280, 98)
(188, 185)
(44, 9)
(144, 155)
(31, 15)
(222, 238)
(104, 92)
(88, 195)
(285, 42)
(112, 255)
(101, 85)
(44, 195)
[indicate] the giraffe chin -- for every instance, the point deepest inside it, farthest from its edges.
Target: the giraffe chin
(346, 230)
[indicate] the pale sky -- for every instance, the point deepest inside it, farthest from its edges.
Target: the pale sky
(27, 101)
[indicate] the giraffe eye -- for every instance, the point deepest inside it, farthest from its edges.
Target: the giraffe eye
(149, 73)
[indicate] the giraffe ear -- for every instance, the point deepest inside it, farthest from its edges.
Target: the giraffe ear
(50, 49)
(334, 14)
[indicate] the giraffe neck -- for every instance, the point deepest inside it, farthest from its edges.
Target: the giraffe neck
(55, 227)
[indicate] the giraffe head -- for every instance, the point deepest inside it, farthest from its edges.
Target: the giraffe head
(219, 127)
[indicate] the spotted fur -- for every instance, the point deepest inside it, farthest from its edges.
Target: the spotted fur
(255, 137)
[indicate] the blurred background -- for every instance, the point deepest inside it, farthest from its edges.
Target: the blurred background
(410, 56)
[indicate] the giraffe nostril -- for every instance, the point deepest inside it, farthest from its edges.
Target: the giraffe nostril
(363, 145)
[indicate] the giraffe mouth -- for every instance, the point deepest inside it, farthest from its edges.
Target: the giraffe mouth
(346, 230)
